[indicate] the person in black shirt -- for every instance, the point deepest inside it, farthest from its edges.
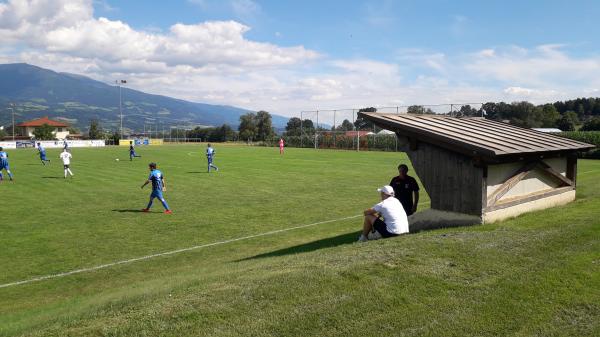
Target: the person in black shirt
(405, 187)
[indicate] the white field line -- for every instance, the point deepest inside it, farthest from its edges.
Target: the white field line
(582, 173)
(172, 252)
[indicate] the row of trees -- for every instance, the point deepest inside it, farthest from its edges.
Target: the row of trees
(253, 127)
(256, 126)
(524, 114)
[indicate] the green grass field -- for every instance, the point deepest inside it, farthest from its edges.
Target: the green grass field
(536, 275)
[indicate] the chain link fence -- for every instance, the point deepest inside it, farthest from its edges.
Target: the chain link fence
(342, 129)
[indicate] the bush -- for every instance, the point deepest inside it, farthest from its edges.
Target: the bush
(591, 125)
(590, 137)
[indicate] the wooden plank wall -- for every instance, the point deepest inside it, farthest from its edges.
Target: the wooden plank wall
(452, 180)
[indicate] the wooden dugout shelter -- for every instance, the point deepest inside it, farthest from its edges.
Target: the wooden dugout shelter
(477, 170)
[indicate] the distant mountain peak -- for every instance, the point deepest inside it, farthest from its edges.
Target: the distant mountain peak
(41, 92)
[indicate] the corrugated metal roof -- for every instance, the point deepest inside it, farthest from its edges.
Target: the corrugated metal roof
(474, 135)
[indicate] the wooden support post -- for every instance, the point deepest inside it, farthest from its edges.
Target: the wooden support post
(572, 168)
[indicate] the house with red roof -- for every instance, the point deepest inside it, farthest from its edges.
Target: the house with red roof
(60, 131)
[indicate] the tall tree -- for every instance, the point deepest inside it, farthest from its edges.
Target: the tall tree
(591, 125)
(362, 123)
(346, 126)
(264, 125)
(548, 116)
(565, 124)
(44, 132)
(248, 128)
(293, 126)
(95, 131)
(468, 111)
(415, 109)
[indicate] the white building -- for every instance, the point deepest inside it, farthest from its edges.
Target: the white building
(60, 131)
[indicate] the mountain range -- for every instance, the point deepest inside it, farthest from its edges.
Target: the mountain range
(37, 92)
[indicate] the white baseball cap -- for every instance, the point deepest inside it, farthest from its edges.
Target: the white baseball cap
(386, 189)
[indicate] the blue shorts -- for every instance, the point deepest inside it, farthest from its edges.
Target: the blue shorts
(156, 194)
(4, 167)
(43, 156)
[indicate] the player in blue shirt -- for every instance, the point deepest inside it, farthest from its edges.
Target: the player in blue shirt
(132, 153)
(4, 165)
(210, 153)
(42, 152)
(158, 187)
(65, 145)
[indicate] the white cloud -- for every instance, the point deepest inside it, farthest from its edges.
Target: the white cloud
(544, 66)
(518, 91)
(215, 62)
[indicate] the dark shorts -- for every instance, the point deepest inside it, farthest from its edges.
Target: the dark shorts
(379, 226)
(66, 166)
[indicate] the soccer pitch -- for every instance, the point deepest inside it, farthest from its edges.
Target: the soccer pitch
(272, 252)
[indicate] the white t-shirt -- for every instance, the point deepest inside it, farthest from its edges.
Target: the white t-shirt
(66, 158)
(393, 214)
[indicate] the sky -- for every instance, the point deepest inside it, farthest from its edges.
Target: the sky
(289, 56)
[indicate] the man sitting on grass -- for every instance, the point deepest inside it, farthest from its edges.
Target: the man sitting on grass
(394, 220)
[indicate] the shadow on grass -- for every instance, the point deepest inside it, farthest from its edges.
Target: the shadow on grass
(335, 241)
(129, 211)
(51, 177)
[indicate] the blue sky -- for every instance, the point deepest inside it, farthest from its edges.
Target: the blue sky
(379, 28)
(286, 56)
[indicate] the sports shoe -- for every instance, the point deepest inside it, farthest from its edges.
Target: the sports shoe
(146, 210)
(362, 238)
(168, 211)
(374, 235)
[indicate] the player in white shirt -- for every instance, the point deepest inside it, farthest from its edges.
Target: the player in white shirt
(66, 159)
(394, 220)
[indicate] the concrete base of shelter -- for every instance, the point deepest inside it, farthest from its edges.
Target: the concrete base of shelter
(535, 205)
(433, 219)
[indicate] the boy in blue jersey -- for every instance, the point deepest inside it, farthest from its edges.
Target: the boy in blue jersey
(210, 153)
(158, 186)
(42, 152)
(4, 165)
(132, 153)
(65, 145)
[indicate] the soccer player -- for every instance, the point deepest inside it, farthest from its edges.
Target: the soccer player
(132, 153)
(210, 153)
(4, 165)
(42, 152)
(66, 159)
(65, 144)
(158, 187)
(281, 144)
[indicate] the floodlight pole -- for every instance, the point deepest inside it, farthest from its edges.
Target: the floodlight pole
(119, 82)
(301, 142)
(11, 105)
(317, 131)
(334, 131)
